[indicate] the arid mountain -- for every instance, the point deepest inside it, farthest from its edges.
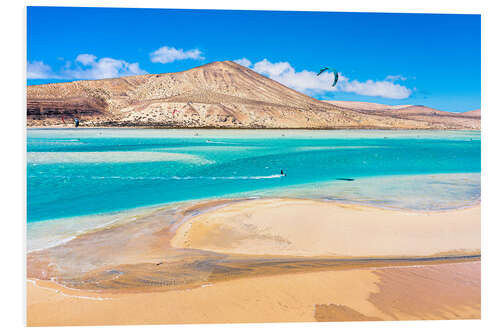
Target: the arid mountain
(433, 117)
(216, 95)
(472, 114)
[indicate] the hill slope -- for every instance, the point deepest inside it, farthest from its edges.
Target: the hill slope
(433, 117)
(216, 95)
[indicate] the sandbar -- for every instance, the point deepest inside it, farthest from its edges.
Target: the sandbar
(317, 228)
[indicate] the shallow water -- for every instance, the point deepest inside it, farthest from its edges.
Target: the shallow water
(416, 192)
(77, 172)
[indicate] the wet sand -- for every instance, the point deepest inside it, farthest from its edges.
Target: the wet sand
(224, 261)
(402, 293)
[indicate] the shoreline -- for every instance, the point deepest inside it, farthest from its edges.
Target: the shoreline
(355, 295)
(130, 213)
(175, 231)
(258, 128)
(85, 280)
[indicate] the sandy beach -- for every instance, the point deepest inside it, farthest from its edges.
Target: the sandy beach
(430, 292)
(263, 260)
(318, 228)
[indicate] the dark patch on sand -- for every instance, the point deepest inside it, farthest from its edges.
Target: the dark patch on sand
(334, 312)
(447, 291)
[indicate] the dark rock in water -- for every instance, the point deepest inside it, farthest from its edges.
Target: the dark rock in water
(346, 179)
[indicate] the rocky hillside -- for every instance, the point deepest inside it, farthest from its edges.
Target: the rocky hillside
(434, 118)
(216, 95)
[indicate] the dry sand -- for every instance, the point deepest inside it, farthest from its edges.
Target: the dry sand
(316, 228)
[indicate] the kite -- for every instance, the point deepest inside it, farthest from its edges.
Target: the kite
(333, 70)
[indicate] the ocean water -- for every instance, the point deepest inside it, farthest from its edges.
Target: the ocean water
(76, 173)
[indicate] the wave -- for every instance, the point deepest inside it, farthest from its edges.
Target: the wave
(220, 142)
(162, 178)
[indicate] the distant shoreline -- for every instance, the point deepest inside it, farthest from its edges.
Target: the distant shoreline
(255, 128)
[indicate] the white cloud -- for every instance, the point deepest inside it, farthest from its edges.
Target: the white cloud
(168, 54)
(277, 69)
(93, 68)
(387, 89)
(39, 70)
(310, 83)
(243, 62)
(398, 77)
(101, 68)
(86, 59)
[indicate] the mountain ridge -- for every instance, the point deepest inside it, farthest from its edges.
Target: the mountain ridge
(215, 95)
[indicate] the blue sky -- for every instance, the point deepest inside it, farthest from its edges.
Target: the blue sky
(434, 60)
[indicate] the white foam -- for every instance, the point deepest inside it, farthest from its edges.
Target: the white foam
(229, 177)
(160, 177)
(220, 142)
(94, 298)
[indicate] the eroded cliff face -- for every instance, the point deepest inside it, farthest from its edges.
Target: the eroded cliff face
(56, 107)
(216, 95)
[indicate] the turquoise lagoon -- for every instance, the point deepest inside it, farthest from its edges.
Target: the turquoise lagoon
(74, 174)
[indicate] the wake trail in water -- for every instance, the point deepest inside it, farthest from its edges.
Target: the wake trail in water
(165, 178)
(220, 142)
